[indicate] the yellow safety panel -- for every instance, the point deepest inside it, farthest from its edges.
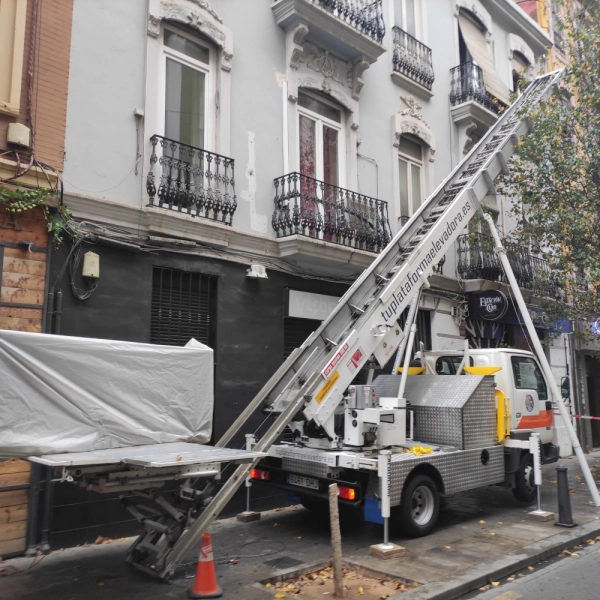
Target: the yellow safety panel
(413, 370)
(502, 415)
(327, 387)
(482, 370)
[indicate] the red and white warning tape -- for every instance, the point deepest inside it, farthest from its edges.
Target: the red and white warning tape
(581, 416)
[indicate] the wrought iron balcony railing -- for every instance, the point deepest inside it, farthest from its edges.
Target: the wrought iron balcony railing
(307, 206)
(412, 58)
(467, 86)
(191, 180)
(477, 260)
(365, 16)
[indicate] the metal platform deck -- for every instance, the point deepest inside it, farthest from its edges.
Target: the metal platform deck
(156, 456)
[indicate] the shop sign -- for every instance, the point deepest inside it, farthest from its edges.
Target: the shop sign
(492, 305)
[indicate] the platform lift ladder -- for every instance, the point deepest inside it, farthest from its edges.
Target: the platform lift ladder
(369, 310)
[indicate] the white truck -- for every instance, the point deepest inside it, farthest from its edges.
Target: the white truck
(468, 432)
(357, 435)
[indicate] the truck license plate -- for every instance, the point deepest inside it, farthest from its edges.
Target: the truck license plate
(307, 482)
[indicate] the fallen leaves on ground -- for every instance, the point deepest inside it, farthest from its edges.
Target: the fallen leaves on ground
(103, 540)
(495, 583)
(363, 585)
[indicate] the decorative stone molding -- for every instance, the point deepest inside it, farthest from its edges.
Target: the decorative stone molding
(410, 120)
(355, 76)
(226, 58)
(469, 139)
(198, 14)
(322, 61)
(295, 41)
(518, 44)
(478, 10)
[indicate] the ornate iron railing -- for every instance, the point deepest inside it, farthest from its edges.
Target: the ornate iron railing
(467, 86)
(307, 206)
(477, 260)
(191, 180)
(365, 16)
(412, 58)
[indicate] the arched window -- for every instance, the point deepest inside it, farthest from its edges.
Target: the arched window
(411, 175)
(519, 67)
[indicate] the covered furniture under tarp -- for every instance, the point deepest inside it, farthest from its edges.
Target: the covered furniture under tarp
(68, 394)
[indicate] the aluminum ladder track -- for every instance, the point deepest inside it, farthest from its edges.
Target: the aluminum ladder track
(377, 290)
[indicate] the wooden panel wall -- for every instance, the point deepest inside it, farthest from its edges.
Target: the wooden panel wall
(22, 272)
(14, 484)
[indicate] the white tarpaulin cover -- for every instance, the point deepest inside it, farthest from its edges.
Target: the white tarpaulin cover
(69, 394)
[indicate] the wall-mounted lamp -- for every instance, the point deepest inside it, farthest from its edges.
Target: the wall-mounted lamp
(256, 272)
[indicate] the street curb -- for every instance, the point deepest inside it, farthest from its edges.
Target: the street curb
(485, 573)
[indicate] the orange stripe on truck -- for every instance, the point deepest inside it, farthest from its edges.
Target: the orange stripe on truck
(544, 419)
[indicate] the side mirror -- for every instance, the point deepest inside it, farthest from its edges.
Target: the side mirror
(565, 388)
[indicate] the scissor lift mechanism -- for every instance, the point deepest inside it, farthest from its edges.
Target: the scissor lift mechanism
(312, 379)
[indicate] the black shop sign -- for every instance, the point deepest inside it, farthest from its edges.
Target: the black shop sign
(491, 305)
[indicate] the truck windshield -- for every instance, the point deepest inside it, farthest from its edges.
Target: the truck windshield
(528, 376)
(448, 365)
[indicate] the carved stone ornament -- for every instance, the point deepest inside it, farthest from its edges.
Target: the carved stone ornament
(470, 139)
(185, 12)
(413, 108)
(410, 120)
(226, 58)
(355, 76)
(322, 62)
(295, 41)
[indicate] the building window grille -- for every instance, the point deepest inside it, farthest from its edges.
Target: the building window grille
(183, 307)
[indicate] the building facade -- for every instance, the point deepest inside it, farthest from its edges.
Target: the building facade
(35, 44)
(210, 143)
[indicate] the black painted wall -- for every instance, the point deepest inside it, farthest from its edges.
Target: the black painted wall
(248, 350)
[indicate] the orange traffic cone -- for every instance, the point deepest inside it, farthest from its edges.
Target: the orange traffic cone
(205, 583)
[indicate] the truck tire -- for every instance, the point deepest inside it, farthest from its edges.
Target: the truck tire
(524, 489)
(418, 513)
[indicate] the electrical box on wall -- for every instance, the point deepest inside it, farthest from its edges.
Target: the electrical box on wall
(91, 265)
(19, 134)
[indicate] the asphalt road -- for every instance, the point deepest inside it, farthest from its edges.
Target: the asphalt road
(576, 577)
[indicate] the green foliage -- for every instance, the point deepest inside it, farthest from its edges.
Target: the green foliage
(20, 199)
(556, 173)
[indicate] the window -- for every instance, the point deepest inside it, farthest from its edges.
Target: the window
(448, 365)
(183, 307)
(410, 168)
(519, 67)
(408, 17)
(423, 328)
(187, 81)
(528, 376)
(12, 43)
(320, 138)
(296, 331)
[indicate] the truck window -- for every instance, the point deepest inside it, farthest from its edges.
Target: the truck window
(448, 365)
(528, 376)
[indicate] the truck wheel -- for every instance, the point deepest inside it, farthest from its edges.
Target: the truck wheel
(524, 489)
(420, 507)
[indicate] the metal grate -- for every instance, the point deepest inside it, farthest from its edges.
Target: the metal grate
(183, 307)
(295, 331)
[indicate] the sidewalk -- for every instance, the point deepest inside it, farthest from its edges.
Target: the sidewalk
(481, 536)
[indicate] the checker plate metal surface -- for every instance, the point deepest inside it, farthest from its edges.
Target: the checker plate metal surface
(306, 467)
(451, 411)
(460, 471)
(152, 456)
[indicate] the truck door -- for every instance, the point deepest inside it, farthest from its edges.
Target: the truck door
(531, 407)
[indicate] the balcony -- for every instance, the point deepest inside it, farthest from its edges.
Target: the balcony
(191, 180)
(412, 63)
(467, 86)
(477, 260)
(352, 29)
(308, 207)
